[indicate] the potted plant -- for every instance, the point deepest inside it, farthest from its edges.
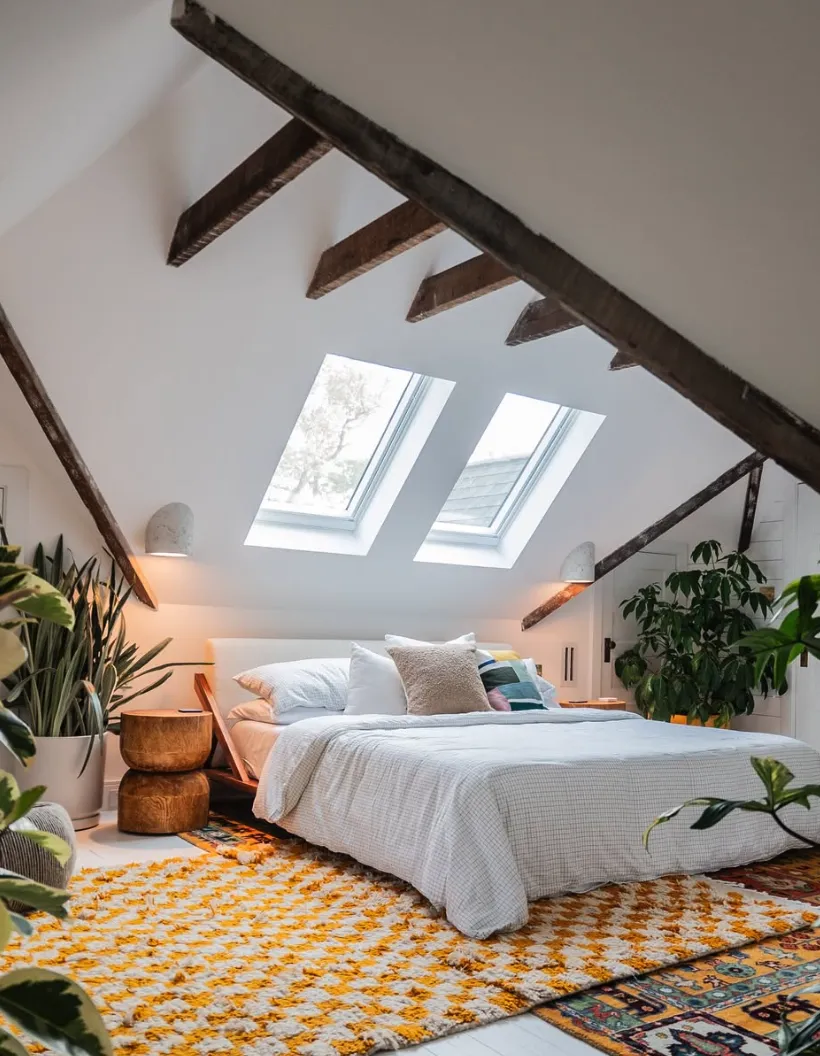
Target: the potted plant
(74, 680)
(689, 663)
(44, 1004)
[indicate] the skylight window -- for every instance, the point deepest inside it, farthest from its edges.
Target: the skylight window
(518, 443)
(519, 465)
(355, 440)
(343, 438)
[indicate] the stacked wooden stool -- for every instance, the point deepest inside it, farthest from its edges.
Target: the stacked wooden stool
(165, 791)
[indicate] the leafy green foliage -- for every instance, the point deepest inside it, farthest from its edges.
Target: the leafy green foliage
(690, 658)
(776, 778)
(75, 677)
(801, 1039)
(799, 632)
(44, 1004)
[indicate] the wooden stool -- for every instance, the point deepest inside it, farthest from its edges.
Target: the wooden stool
(164, 791)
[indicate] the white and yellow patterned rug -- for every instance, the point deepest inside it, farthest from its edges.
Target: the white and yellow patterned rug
(307, 953)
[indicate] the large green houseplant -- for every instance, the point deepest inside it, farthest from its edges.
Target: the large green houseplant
(75, 679)
(689, 658)
(43, 1004)
(773, 649)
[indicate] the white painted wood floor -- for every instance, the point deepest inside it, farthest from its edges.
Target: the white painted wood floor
(520, 1036)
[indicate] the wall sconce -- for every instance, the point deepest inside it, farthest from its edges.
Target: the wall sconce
(170, 532)
(579, 564)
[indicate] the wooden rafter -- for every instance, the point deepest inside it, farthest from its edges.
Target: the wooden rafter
(622, 360)
(408, 225)
(294, 148)
(464, 282)
(750, 509)
(23, 372)
(644, 538)
(762, 422)
(541, 319)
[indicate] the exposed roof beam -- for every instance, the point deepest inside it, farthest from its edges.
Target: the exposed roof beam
(408, 225)
(622, 360)
(475, 277)
(644, 538)
(750, 509)
(762, 422)
(541, 319)
(271, 167)
(23, 372)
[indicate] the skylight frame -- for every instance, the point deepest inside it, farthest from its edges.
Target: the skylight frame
(536, 466)
(377, 467)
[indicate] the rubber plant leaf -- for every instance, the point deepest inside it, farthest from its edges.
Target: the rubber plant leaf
(10, 1046)
(30, 893)
(16, 736)
(55, 1011)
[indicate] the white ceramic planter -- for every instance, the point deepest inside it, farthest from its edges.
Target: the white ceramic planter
(57, 765)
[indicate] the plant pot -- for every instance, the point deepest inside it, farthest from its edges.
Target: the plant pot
(57, 765)
(686, 720)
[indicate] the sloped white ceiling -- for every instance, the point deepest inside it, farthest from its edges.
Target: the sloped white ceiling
(183, 384)
(75, 75)
(672, 147)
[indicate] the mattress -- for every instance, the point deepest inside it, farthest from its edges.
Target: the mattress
(254, 741)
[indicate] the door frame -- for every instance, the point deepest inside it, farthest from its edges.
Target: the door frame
(603, 603)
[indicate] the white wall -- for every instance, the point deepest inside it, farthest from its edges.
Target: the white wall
(673, 148)
(184, 385)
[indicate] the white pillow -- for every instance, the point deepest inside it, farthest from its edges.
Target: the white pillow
(261, 711)
(547, 691)
(375, 686)
(397, 639)
(292, 684)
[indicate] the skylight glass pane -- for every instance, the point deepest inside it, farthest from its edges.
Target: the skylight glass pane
(501, 457)
(342, 427)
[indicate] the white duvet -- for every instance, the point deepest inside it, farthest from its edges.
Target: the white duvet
(487, 811)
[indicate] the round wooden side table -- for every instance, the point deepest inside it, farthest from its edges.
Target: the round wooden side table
(165, 791)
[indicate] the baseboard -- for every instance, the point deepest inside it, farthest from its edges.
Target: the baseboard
(110, 790)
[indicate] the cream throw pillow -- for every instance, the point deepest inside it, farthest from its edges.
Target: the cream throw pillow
(440, 679)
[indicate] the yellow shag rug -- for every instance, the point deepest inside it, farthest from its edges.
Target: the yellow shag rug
(304, 952)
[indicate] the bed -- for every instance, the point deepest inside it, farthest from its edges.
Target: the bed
(485, 812)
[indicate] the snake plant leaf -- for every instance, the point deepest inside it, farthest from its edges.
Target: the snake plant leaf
(55, 846)
(55, 1011)
(12, 652)
(10, 1046)
(16, 736)
(38, 896)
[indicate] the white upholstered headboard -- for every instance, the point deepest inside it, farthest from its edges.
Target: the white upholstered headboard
(232, 655)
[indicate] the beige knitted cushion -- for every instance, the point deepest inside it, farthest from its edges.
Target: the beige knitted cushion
(440, 679)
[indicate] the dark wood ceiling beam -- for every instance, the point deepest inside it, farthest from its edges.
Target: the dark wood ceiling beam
(622, 360)
(750, 509)
(541, 319)
(644, 538)
(23, 372)
(286, 155)
(404, 227)
(762, 422)
(458, 285)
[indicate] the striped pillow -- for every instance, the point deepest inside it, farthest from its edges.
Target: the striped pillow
(512, 679)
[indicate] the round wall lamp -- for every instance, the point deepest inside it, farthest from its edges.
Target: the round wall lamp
(579, 564)
(170, 532)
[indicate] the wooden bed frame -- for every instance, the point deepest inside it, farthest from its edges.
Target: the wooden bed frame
(236, 776)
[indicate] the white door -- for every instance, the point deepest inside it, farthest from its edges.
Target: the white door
(806, 680)
(639, 571)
